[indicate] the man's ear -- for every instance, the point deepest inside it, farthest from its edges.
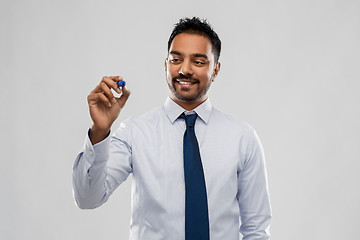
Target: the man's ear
(165, 64)
(216, 70)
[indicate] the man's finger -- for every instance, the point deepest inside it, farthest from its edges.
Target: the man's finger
(106, 90)
(94, 98)
(111, 82)
(124, 97)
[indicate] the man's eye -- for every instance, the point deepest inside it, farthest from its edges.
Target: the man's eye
(175, 60)
(199, 62)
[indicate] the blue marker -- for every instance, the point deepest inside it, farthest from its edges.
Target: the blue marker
(121, 83)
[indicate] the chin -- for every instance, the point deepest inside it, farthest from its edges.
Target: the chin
(187, 97)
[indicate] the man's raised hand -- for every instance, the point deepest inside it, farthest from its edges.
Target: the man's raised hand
(104, 107)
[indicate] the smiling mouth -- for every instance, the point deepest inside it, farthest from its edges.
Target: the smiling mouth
(185, 82)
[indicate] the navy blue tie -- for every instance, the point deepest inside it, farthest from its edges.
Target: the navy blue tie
(196, 206)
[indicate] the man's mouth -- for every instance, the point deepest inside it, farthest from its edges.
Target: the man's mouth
(185, 82)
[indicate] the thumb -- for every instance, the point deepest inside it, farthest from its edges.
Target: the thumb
(124, 96)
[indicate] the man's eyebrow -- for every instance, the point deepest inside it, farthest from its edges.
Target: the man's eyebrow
(200, 55)
(175, 53)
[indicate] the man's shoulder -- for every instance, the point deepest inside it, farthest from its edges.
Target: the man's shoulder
(229, 121)
(149, 117)
(140, 124)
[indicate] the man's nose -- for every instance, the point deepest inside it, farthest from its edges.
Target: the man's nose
(186, 68)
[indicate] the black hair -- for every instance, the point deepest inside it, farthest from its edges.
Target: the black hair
(197, 26)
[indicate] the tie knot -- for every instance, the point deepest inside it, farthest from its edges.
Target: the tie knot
(189, 119)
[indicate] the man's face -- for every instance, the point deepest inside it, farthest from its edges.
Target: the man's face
(190, 68)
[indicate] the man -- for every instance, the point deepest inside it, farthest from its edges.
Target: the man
(192, 179)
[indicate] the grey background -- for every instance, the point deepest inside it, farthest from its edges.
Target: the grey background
(289, 68)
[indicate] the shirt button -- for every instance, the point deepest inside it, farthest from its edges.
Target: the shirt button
(91, 152)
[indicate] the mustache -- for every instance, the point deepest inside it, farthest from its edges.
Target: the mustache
(182, 76)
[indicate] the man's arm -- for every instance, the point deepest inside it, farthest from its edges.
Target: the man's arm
(92, 182)
(100, 168)
(253, 194)
(89, 175)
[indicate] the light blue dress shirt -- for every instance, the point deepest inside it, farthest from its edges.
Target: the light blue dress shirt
(151, 148)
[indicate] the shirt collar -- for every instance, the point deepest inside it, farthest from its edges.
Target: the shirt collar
(173, 110)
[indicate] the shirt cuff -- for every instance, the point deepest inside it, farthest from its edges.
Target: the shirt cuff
(98, 152)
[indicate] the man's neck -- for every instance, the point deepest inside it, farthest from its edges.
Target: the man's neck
(187, 105)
